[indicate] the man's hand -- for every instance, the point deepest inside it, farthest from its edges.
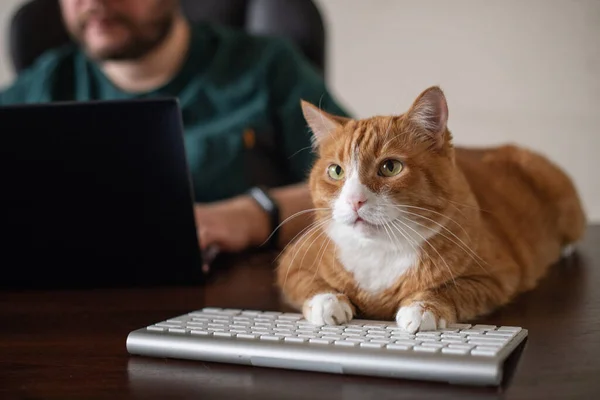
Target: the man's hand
(232, 225)
(238, 224)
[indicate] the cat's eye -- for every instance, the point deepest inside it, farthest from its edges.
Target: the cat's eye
(390, 168)
(335, 172)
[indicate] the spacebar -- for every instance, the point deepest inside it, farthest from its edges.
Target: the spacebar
(301, 365)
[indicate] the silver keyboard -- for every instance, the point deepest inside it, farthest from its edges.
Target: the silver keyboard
(461, 353)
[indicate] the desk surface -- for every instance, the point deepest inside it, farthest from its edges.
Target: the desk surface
(71, 344)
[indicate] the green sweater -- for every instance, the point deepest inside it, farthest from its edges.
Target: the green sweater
(239, 94)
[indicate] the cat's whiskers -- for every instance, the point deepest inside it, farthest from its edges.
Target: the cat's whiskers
(307, 249)
(387, 225)
(433, 212)
(430, 245)
(299, 213)
(314, 227)
(321, 259)
(421, 250)
(462, 245)
(301, 150)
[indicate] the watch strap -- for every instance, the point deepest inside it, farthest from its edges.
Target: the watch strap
(260, 195)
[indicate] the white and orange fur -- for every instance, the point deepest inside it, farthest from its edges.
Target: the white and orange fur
(454, 235)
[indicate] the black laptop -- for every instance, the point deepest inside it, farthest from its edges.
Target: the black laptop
(96, 194)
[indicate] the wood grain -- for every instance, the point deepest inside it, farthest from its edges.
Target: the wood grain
(71, 344)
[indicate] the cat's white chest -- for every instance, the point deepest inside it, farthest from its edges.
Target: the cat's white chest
(377, 267)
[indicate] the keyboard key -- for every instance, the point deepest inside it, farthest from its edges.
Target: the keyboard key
(450, 350)
(180, 320)
(434, 345)
(426, 349)
(484, 327)
(308, 327)
(485, 351)
(352, 334)
(428, 339)
(353, 330)
(453, 336)
(212, 310)
(331, 337)
(272, 313)
(260, 328)
(461, 346)
(382, 341)
(320, 341)
(200, 333)
(271, 337)
(408, 342)
(291, 316)
(251, 313)
(471, 332)
(487, 339)
(378, 332)
(345, 343)
(156, 328)
(167, 325)
(288, 326)
(398, 347)
(307, 336)
(448, 330)
(372, 345)
(428, 334)
(401, 337)
(331, 330)
(372, 336)
(292, 339)
(514, 329)
(455, 341)
(177, 330)
(283, 334)
(223, 334)
(246, 336)
(237, 326)
(216, 329)
(356, 339)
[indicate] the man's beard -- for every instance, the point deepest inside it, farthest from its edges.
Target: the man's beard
(142, 38)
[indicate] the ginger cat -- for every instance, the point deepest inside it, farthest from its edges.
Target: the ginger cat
(409, 227)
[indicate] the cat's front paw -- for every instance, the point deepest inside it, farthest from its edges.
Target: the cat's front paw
(327, 309)
(418, 317)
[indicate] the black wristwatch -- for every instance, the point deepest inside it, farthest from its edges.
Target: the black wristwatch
(266, 202)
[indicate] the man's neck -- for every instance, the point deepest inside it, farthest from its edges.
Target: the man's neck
(157, 67)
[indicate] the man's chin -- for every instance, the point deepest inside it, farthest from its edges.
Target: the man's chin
(113, 53)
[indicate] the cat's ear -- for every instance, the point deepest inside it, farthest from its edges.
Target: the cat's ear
(430, 113)
(321, 123)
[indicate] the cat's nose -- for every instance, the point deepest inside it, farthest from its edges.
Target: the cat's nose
(357, 202)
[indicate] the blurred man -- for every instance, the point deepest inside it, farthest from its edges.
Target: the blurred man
(235, 91)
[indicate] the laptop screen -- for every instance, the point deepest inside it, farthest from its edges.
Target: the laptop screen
(96, 194)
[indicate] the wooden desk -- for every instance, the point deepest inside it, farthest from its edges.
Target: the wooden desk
(71, 344)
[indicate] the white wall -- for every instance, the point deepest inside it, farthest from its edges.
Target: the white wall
(524, 71)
